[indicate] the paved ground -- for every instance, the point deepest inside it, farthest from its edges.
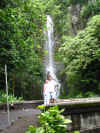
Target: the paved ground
(20, 119)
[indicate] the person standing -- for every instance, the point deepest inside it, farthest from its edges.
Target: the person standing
(51, 89)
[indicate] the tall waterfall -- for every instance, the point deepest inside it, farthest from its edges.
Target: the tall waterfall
(49, 51)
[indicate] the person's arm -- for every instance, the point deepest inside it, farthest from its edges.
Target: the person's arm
(55, 85)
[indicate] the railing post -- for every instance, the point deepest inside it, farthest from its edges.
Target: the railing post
(7, 94)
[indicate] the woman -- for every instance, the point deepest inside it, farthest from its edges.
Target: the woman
(51, 89)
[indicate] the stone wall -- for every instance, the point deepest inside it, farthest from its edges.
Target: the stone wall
(85, 120)
(84, 113)
(22, 105)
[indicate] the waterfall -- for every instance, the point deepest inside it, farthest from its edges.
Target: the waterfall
(49, 62)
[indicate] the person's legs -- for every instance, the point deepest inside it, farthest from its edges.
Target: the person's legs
(51, 97)
(51, 100)
(54, 100)
(54, 97)
(47, 98)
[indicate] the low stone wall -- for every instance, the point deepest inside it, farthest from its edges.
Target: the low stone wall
(22, 105)
(84, 113)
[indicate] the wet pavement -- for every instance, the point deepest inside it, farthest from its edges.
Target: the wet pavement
(16, 115)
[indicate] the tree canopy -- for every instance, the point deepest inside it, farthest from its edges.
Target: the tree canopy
(81, 56)
(21, 31)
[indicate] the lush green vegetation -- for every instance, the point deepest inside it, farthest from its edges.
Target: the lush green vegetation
(81, 57)
(91, 9)
(11, 98)
(51, 121)
(21, 31)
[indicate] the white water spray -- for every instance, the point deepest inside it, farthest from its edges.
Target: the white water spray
(49, 47)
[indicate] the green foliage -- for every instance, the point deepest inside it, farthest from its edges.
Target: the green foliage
(58, 9)
(76, 132)
(91, 9)
(87, 94)
(31, 129)
(74, 2)
(41, 107)
(11, 98)
(51, 121)
(21, 32)
(81, 57)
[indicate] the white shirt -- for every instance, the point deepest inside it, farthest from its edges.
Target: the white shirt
(46, 88)
(51, 85)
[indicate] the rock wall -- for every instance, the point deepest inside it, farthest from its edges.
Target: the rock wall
(84, 113)
(86, 122)
(76, 22)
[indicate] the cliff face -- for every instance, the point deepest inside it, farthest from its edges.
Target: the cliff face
(75, 20)
(75, 16)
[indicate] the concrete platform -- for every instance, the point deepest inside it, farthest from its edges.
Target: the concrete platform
(22, 105)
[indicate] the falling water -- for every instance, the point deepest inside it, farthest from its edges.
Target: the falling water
(49, 50)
